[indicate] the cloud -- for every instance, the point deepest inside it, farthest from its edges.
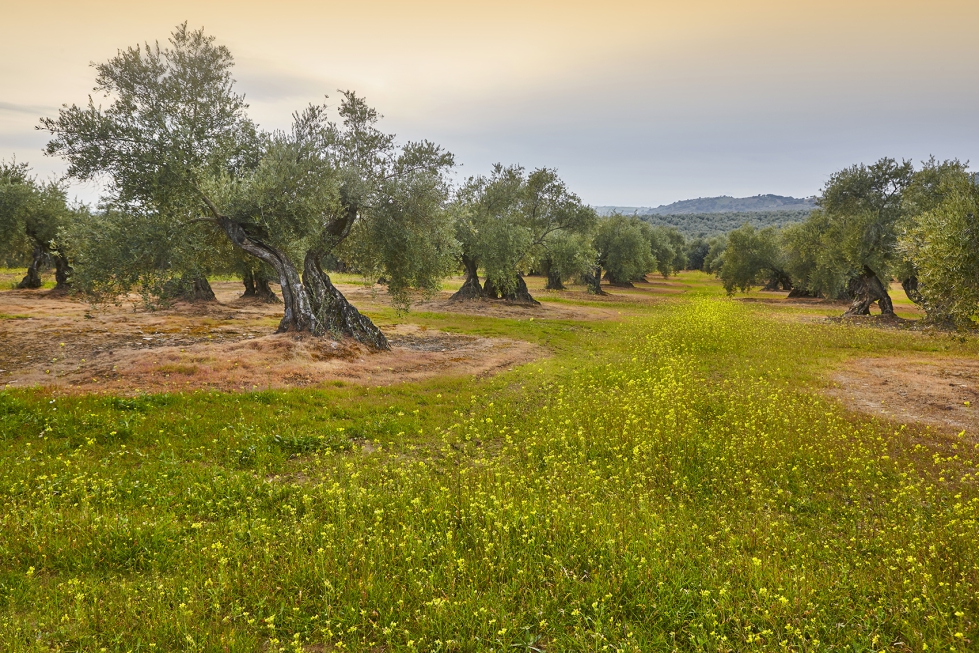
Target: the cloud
(30, 109)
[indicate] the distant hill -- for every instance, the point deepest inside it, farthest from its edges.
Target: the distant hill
(722, 204)
(705, 225)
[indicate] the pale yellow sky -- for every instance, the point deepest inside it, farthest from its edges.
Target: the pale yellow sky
(635, 102)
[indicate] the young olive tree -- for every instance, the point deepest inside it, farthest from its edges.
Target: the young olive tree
(31, 214)
(509, 220)
(181, 158)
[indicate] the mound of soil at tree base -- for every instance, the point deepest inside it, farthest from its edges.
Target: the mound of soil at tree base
(60, 342)
(938, 392)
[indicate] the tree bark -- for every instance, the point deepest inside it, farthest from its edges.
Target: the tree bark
(257, 287)
(867, 289)
(470, 288)
(554, 281)
(248, 280)
(62, 271)
(333, 310)
(521, 294)
(594, 282)
(910, 286)
(33, 277)
(299, 315)
(196, 289)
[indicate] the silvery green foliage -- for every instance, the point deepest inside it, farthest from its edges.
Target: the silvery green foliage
(508, 221)
(854, 230)
(942, 241)
(752, 257)
(31, 214)
(625, 248)
(189, 175)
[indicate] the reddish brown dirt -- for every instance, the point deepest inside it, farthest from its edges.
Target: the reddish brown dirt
(939, 392)
(63, 343)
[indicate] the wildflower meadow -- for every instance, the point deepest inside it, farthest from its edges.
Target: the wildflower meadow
(669, 481)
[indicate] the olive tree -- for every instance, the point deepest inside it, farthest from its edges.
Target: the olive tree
(861, 207)
(624, 251)
(566, 256)
(669, 249)
(180, 156)
(942, 242)
(511, 219)
(31, 213)
(753, 257)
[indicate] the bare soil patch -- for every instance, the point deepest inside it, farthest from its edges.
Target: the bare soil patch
(59, 342)
(938, 392)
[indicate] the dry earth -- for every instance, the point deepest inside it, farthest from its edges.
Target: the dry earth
(60, 342)
(939, 392)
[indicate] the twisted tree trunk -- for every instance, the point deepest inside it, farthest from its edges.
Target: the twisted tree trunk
(594, 282)
(33, 277)
(867, 289)
(521, 294)
(554, 281)
(62, 271)
(333, 311)
(257, 287)
(299, 315)
(470, 288)
(910, 286)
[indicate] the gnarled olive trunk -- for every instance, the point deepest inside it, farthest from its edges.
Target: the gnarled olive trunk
(554, 281)
(62, 271)
(867, 289)
(470, 288)
(333, 311)
(778, 280)
(257, 287)
(593, 281)
(519, 295)
(910, 286)
(312, 303)
(196, 289)
(33, 277)
(299, 315)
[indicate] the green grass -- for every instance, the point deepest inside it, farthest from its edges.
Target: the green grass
(667, 481)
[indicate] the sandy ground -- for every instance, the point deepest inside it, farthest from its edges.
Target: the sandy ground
(56, 341)
(940, 392)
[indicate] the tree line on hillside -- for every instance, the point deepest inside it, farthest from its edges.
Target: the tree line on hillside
(872, 224)
(193, 187)
(707, 225)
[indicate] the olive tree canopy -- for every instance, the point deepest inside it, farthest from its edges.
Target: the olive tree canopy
(942, 241)
(754, 257)
(31, 214)
(624, 249)
(180, 157)
(510, 219)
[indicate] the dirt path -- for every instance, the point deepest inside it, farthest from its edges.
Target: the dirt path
(940, 392)
(54, 341)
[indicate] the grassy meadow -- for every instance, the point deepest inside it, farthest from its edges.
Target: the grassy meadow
(669, 481)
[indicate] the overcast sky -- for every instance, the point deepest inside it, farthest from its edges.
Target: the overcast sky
(635, 103)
